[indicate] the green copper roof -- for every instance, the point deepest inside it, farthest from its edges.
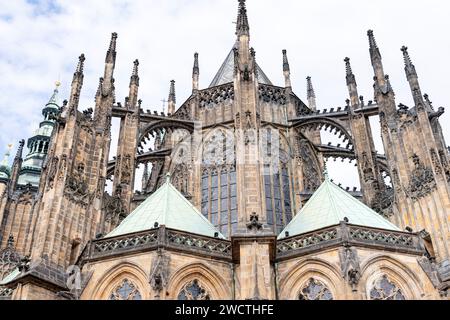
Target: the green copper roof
(329, 206)
(167, 207)
(10, 277)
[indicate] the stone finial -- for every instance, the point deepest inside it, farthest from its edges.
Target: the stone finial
(195, 74)
(409, 66)
(20, 149)
(374, 50)
(349, 72)
(172, 95)
(286, 66)
(242, 26)
(135, 74)
(80, 66)
(310, 89)
(111, 54)
(196, 69)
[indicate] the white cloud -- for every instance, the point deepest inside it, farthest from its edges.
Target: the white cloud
(41, 41)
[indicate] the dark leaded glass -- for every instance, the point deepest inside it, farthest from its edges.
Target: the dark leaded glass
(193, 291)
(126, 291)
(315, 290)
(384, 289)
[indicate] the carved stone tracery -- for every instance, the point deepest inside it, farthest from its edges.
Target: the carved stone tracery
(422, 180)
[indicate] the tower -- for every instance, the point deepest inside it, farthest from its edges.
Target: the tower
(417, 157)
(38, 144)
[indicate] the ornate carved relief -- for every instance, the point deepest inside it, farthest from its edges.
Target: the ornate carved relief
(159, 275)
(350, 267)
(52, 172)
(9, 259)
(216, 95)
(114, 208)
(422, 180)
(311, 176)
(272, 94)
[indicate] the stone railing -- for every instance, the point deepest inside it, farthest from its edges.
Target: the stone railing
(202, 245)
(308, 242)
(5, 293)
(352, 235)
(154, 239)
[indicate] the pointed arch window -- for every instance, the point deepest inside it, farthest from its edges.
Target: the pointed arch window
(315, 290)
(384, 289)
(193, 291)
(219, 188)
(276, 181)
(126, 290)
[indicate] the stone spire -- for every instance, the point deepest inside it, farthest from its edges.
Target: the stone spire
(410, 69)
(286, 70)
(311, 95)
(135, 74)
(78, 75)
(5, 161)
(351, 84)
(413, 79)
(195, 74)
(134, 87)
(111, 54)
(377, 64)
(17, 165)
(242, 26)
(172, 98)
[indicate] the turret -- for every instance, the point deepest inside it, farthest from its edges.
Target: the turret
(413, 80)
(39, 143)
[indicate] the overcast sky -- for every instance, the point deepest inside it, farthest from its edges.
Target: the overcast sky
(42, 39)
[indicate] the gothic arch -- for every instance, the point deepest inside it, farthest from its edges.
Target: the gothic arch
(319, 123)
(210, 280)
(167, 125)
(210, 133)
(376, 266)
(113, 276)
(295, 278)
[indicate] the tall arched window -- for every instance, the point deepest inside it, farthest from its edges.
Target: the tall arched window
(384, 289)
(193, 291)
(315, 290)
(126, 290)
(219, 189)
(276, 181)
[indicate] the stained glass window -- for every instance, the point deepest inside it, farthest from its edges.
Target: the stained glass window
(276, 181)
(126, 291)
(193, 291)
(384, 289)
(219, 189)
(315, 290)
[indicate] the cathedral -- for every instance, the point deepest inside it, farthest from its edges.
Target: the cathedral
(236, 202)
